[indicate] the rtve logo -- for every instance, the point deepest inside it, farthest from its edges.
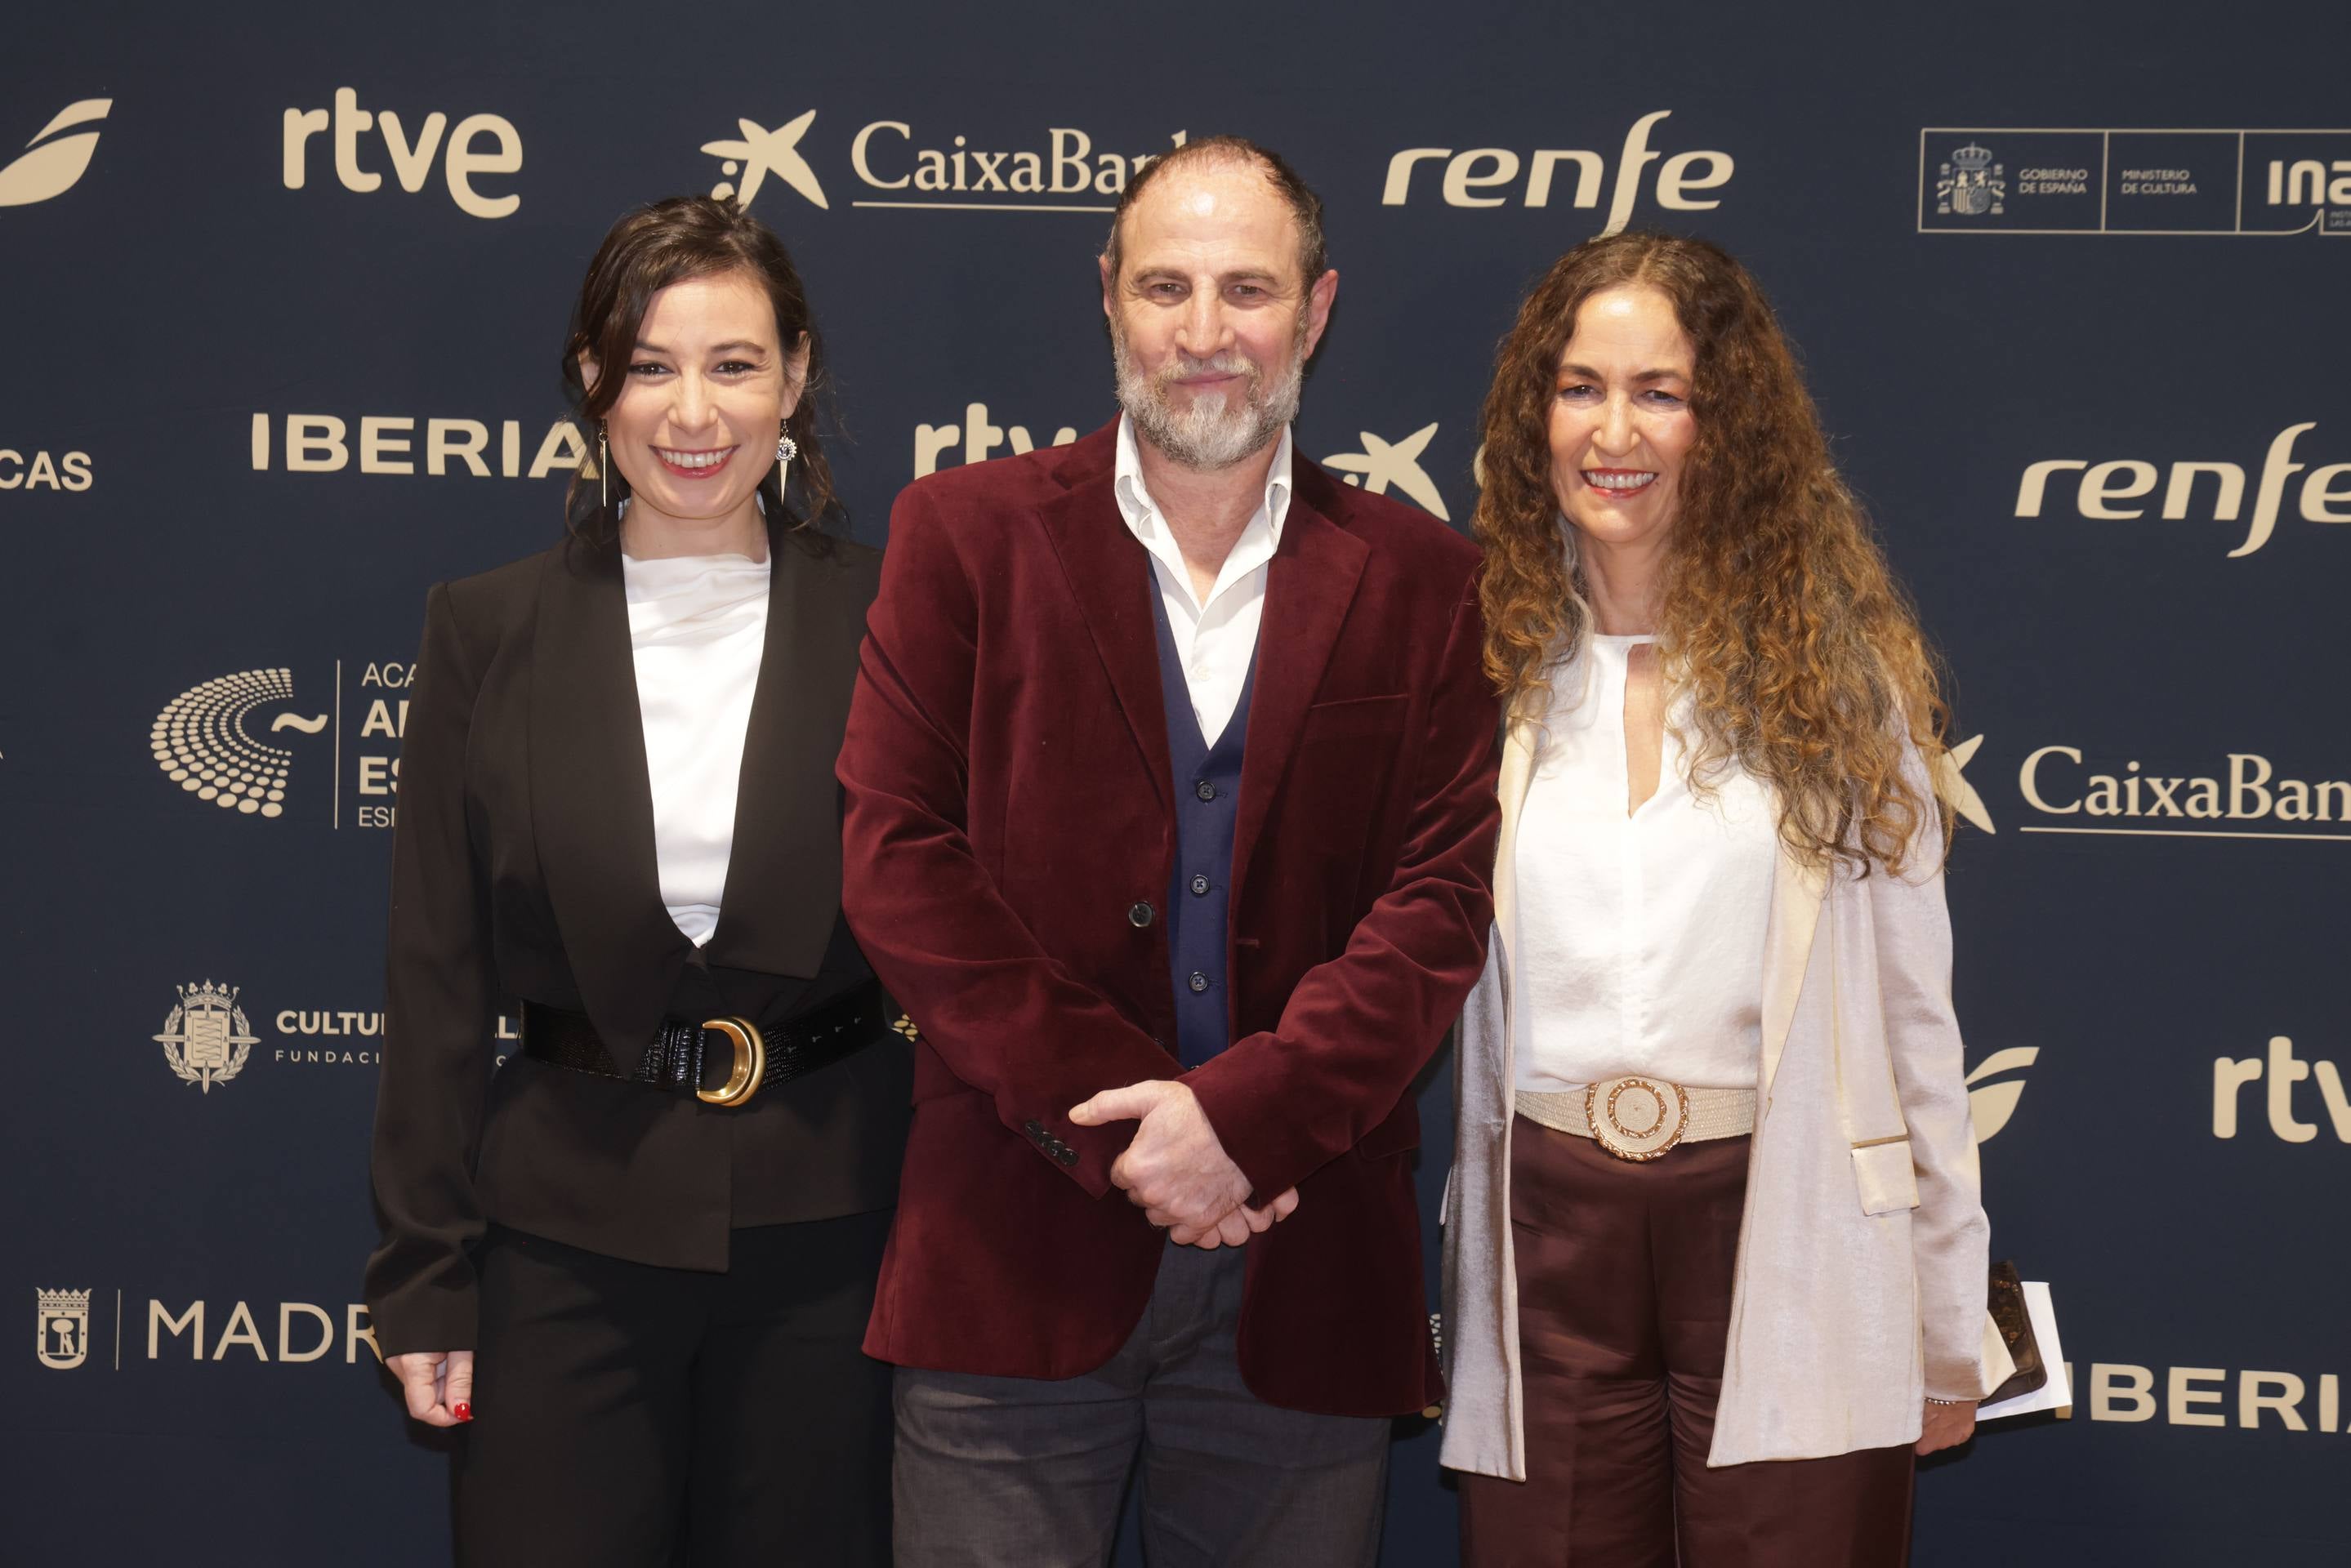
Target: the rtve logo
(52, 171)
(2230, 1075)
(2325, 496)
(411, 161)
(1469, 174)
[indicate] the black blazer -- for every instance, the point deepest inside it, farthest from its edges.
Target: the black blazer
(523, 866)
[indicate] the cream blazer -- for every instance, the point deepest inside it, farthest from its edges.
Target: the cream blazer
(1862, 1252)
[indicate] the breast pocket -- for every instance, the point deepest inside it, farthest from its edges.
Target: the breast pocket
(1355, 719)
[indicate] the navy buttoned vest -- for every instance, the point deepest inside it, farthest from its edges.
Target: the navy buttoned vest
(1208, 781)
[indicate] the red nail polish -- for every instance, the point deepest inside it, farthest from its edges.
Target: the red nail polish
(463, 1411)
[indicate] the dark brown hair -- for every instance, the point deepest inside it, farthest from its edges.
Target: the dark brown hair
(1780, 620)
(648, 250)
(1304, 204)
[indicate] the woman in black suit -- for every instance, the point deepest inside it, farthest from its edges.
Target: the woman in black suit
(636, 1262)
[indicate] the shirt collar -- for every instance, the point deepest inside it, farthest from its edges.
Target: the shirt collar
(1141, 513)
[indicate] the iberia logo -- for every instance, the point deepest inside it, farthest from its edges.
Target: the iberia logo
(52, 168)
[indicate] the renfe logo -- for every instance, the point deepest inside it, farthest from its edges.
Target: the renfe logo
(2325, 497)
(412, 162)
(1469, 174)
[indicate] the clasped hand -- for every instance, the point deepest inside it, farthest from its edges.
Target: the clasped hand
(1176, 1171)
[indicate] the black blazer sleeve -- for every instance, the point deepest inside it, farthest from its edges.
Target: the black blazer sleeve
(440, 1008)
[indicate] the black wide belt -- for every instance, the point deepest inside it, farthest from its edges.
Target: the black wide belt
(683, 1053)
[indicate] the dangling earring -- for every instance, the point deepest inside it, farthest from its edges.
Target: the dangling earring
(786, 449)
(603, 469)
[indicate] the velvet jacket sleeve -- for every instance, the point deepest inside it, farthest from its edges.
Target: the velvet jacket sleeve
(1004, 1015)
(1360, 1027)
(440, 1004)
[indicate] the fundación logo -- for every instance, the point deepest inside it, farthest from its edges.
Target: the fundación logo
(202, 742)
(2103, 490)
(63, 1328)
(478, 144)
(1490, 176)
(53, 168)
(888, 156)
(206, 1040)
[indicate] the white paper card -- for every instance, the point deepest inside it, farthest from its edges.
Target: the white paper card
(2057, 1393)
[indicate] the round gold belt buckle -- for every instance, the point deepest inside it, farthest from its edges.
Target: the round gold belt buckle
(1636, 1118)
(751, 1063)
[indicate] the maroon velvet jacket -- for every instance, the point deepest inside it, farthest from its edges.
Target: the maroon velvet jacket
(1008, 801)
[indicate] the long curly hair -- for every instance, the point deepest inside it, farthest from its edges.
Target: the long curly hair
(1779, 618)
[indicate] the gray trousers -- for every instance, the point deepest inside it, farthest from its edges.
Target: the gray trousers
(998, 1470)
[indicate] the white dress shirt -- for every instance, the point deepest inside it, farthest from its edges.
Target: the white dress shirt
(1216, 638)
(1641, 935)
(698, 626)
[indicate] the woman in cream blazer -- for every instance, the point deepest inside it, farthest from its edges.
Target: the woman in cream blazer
(1652, 459)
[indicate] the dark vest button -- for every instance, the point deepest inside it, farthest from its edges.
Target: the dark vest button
(1199, 885)
(1200, 981)
(1139, 915)
(1204, 790)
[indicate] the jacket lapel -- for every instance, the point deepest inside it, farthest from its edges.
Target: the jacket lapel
(1111, 580)
(1797, 892)
(591, 802)
(783, 871)
(1310, 584)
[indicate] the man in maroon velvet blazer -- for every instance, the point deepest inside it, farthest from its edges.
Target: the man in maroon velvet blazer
(1170, 818)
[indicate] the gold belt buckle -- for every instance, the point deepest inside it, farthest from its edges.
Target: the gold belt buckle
(1636, 1118)
(751, 1063)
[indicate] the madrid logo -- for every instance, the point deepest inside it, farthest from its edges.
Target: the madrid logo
(55, 169)
(201, 743)
(206, 1039)
(1380, 464)
(758, 154)
(62, 1328)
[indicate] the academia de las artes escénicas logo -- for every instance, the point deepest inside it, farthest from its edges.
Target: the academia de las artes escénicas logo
(201, 743)
(1970, 184)
(62, 1328)
(206, 1039)
(53, 168)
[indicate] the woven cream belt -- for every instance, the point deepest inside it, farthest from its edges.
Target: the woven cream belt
(1640, 1118)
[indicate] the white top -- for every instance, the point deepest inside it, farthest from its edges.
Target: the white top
(1641, 937)
(697, 625)
(1215, 638)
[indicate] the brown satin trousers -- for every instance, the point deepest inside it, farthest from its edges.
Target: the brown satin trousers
(1624, 1275)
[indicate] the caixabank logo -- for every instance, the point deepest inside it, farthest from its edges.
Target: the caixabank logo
(2077, 790)
(910, 166)
(241, 743)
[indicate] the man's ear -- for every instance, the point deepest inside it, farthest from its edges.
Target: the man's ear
(1318, 299)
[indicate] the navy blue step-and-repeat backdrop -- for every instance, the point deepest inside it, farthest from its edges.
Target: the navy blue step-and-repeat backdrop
(284, 287)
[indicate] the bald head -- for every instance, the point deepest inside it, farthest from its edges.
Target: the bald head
(1226, 159)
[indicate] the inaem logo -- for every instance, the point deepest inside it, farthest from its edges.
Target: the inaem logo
(63, 1328)
(206, 1039)
(1951, 783)
(1991, 1106)
(200, 744)
(1380, 464)
(760, 153)
(53, 170)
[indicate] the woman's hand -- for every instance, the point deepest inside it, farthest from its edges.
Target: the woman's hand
(439, 1384)
(1945, 1425)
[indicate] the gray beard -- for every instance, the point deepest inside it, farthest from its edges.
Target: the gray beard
(1218, 429)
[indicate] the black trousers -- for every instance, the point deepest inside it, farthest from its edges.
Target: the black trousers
(632, 1417)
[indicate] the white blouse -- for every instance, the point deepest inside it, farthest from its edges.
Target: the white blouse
(1641, 937)
(697, 625)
